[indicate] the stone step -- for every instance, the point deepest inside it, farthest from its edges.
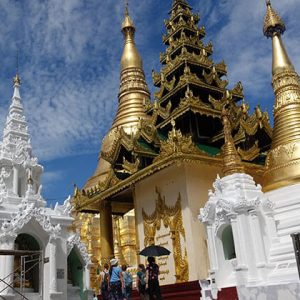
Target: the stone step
(33, 296)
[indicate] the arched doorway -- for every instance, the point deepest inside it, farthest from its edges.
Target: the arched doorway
(31, 282)
(75, 271)
(228, 243)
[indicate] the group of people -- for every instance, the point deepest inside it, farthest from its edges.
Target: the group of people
(116, 282)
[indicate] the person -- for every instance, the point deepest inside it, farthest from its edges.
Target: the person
(95, 297)
(152, 272)
(141, 281)
(104, 277)
(127, 277)
(116, 283)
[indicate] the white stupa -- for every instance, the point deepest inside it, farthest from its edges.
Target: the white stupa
(49, 261)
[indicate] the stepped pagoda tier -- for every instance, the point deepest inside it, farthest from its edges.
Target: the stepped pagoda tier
(160, 157)
(192, 90)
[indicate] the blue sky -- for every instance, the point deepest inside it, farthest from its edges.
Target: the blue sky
(69, 64)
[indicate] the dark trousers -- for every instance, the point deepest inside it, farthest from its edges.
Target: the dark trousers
(154, 290)
(105, 294)
(116, 291)
(128, 292)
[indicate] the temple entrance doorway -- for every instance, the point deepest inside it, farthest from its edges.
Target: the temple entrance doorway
(75, 276)
(29, 281)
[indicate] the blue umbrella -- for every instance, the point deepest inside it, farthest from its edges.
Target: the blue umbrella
(154, 250)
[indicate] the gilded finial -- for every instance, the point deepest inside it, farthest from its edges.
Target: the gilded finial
(258, 112)
(273, 23)
(127, 23)
(76, 190)
(231, 159)
(17, 79)
(173, 123)
(173, 132)
(244, 107)
(29, 179)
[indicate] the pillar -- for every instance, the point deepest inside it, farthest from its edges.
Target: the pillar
(137, 238)
(213, 257)
(16, 180)
(239, 245)
(52, 261)
(7, 265)
(87, 277)
(106, 231)
(259, 248)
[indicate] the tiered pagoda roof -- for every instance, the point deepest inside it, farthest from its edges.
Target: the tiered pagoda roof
(184, 121)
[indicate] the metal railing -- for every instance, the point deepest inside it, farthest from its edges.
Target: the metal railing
(34, 258)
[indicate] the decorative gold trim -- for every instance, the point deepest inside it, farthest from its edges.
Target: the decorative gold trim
(176, 143)
(171, 217)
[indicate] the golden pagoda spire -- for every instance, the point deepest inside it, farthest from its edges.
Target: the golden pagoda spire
(283, 160)
(133, 94)
(133, 88)
(130, 57)
(231, 159)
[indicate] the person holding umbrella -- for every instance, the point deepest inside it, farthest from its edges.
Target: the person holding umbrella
(152, 272)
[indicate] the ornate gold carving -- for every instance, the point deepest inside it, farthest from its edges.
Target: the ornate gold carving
(130, 168)
(176, 144)
(272, 23)
(101, 186)
(238, 90)
(249, 154)
(213, 76)
(286, 88)
(201, 59)
(87, 226)
(183, 24)
(171, 217)
(221, 67)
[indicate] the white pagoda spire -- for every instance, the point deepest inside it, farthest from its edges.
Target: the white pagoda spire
(16, 159)
(16, 129)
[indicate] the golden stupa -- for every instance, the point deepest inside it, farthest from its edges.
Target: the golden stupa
(283, 160)
(160, 157)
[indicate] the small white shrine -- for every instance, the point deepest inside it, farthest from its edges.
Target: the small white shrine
(40, 257)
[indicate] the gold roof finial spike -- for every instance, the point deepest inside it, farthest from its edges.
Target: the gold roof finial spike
(130, 57)
(273, 28)
(283, 160)
(127, 23)
(231, 159)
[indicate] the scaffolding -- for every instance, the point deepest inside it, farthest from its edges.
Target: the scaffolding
(34, 258)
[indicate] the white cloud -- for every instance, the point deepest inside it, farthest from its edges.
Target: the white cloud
(49, 178)
(70, 53)
(236, 31)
